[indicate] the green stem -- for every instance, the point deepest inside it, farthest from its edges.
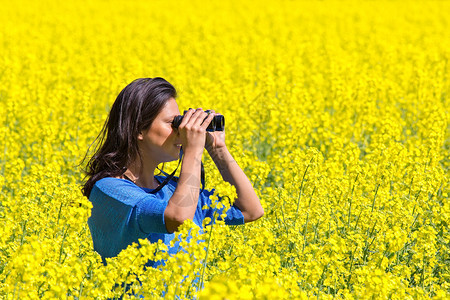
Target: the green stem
(351, 198)
(301, 186)
(15, 288)
(422, 276)
(357, 220)
(24, 232)
(384, 254)
(351, 267)
(81, 287)
(59, 213)
(410, 185)
(62, 243)
(375, 197)
(315, 231)
(206, 256)
(284, 219)
(307, 215)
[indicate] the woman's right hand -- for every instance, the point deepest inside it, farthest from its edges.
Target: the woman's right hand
(192, 130)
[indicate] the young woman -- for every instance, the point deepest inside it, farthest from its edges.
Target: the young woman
(129, 202)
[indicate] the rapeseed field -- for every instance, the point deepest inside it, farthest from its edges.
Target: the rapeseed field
(337, 112)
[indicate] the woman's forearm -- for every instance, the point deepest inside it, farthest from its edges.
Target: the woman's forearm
(183, 203)
(247, 200)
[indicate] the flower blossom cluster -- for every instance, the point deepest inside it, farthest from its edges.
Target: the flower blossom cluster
(336, 111)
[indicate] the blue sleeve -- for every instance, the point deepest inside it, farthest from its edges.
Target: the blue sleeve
(122, 213)
(150, 214)
(233, 216)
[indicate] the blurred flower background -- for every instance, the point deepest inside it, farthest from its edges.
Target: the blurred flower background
(337, 112)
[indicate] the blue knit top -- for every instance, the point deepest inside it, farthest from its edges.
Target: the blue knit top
(123, 212)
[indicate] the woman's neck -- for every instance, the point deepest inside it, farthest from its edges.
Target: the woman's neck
(142, 176)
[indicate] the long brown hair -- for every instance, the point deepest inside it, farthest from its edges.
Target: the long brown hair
(134, 110)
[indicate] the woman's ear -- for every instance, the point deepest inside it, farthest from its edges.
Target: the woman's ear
(140, 136)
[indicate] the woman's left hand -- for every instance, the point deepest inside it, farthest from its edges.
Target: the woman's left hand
(215, 139)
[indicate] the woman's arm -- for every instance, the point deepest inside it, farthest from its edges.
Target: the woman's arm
(247, 200)
(183, 203)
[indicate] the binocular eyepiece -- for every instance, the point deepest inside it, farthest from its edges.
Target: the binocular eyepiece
(217, 123)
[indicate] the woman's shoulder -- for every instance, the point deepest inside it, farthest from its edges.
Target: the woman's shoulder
(116, 188)
(108, 182)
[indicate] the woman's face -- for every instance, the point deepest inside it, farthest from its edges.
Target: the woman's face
(161, 142)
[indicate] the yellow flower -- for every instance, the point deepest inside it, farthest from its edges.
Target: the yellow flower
(337, 114)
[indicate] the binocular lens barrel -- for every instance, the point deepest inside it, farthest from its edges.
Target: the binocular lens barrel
(217, 123)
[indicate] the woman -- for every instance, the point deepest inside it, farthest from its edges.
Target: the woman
(129, 202)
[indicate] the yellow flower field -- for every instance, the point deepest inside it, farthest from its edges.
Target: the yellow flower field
(337, 112)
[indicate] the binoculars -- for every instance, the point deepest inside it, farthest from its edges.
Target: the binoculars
(217, 123)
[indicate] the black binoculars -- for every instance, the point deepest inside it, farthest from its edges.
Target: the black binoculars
(217, 123)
